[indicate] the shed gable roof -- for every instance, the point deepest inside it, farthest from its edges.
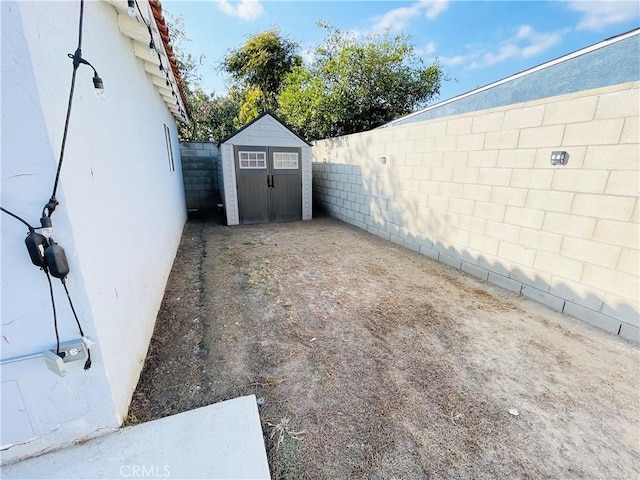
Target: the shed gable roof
(282, 124)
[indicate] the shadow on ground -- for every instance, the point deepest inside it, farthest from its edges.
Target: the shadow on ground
(375, 362)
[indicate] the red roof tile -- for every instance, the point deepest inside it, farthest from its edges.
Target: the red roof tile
(163, 28)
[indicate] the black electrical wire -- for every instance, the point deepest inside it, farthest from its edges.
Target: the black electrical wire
(31, 229)
(51, 205)
(76, 63)
(148, 25)
(152, 45)
(140, 12)
(55, 316)
(80, 23)
(53, 300)
(87, 364)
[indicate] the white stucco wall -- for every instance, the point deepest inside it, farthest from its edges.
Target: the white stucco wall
(120, 219)
(264, 132)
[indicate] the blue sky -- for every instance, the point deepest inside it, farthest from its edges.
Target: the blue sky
(476, 42)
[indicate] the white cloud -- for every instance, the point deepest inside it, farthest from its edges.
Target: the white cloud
(244, 9)
(434, 8)
(428, 49)
(526, 43)
(597, 15)
(395, 20)
(454, 60)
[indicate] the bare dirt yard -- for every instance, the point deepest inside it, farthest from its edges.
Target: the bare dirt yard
(376, 362)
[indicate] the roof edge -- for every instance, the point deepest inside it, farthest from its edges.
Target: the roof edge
(163, 29)
(263, 114)
(542, 66)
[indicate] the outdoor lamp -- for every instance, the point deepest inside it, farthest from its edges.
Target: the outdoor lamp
(98, 85)
(559, 158)
(97, 81)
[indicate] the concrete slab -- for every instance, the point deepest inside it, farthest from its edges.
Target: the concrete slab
(220, 441)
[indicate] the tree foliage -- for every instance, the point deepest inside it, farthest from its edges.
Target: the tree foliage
(188, 64)
(212, 117)
(259, 67)
(351, 85)
(356, 84)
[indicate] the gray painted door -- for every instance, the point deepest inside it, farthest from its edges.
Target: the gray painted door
(269, 184)
(253, 190)
(286, 184)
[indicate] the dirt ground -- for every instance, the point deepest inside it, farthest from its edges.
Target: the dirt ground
(376, 362)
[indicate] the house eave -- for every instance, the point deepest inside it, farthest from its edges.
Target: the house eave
(167, 80)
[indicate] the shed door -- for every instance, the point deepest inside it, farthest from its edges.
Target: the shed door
(269, 184)
(251, 178)
(286, 184)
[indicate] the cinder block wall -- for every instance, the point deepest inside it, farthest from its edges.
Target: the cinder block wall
(200, 161)
(478, 192)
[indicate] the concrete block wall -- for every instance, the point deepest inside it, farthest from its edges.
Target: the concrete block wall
(200, 167)
(477, 192)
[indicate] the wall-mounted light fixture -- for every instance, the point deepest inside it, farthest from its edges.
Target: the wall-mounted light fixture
(98, 84)
(559, 158)
(383, 160)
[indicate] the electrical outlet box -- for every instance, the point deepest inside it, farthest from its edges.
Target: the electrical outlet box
(54, 363)
(73, 350)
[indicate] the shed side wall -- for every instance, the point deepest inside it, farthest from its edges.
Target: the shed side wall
(229, 181)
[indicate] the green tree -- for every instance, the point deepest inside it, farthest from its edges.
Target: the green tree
(356, 84)
(259, 67)
(212, 117)
(251, 106)
(188, 64)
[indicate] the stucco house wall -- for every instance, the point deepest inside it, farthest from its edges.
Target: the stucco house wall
(477, 191)
(120, 219)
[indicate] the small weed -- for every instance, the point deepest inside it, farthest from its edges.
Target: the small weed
(273, 290)
(130, 419)
(325, 375)
(285, 449)
(264, 277)
(257, 277)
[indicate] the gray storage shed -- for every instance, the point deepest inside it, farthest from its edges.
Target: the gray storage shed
(266, 171)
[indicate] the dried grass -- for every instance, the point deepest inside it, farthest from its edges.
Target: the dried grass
(411, 373)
